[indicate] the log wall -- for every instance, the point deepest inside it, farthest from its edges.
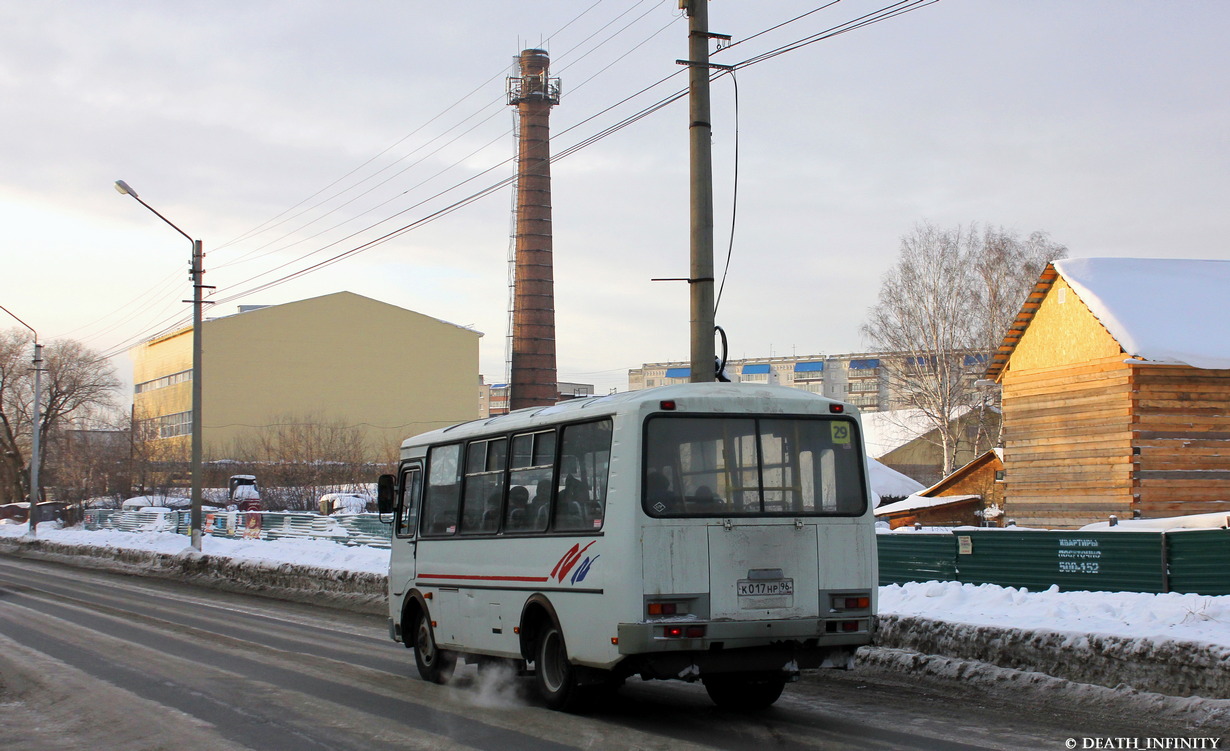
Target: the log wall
(1181, 448)
(1068, 444)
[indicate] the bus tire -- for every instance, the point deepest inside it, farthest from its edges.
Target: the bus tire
(435, 665)
(553, 673)
(744, 693)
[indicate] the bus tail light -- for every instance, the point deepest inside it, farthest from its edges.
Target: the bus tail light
(837, 409)
(839, 603)
(667, 405)
(684, 632)
(663, 608)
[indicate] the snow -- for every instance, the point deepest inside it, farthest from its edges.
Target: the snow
(1163, 310)
(1193, 521)
(1165, 617)
(887, 431)
(886, 481)
(915, 502)
(148, 501)
(304, 552)
(1160, 617)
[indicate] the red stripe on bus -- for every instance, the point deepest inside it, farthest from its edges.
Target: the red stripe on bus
(486, 578)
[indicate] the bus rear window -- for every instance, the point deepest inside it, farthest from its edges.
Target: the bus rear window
(752, 466)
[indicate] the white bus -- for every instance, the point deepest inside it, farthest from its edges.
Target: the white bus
(714, 532)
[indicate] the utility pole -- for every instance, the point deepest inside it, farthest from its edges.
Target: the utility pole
(34, 439)
(700, 152)
(197, 275)
(36, 424)
(198, 428)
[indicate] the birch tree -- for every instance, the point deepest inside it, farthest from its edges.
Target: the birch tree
(942, 311)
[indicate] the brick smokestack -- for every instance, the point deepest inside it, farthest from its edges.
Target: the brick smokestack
(532, 375)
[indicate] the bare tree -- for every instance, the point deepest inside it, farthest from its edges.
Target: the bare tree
(942, 311)
(91, 458)
(77, 380)
(298, 458)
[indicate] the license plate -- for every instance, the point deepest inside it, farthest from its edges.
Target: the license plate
(765, 587)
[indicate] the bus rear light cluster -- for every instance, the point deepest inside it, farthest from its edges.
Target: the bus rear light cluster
(850, 602)
(683, 632)
(845, 627)
(663, 608)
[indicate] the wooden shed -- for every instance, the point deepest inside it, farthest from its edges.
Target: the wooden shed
(970, 496)
(1116, 392)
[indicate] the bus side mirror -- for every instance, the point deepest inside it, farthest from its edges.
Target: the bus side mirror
(385, 494)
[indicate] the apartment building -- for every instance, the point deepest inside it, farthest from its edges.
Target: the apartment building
(854, 378)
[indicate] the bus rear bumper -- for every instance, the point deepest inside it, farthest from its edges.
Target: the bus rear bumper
(789, 646)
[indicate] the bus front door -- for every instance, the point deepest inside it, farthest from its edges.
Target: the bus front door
(405, 529)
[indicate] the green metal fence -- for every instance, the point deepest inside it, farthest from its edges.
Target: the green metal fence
(1194, 561)
(1199, 561)
(917, 557)
(1104, 561)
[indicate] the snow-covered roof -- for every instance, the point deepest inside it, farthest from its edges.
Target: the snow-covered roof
(1216, 520)
(917, 502)
(886, 481)
(884, 432)
(997, 451)
(1163, 310)
(147, 501)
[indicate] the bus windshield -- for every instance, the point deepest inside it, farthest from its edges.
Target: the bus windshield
(699, 465)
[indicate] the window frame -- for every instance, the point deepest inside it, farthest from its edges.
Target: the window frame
(760, 467)
(557, 431)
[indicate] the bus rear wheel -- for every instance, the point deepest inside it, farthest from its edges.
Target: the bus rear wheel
(744, 693)
(554, 674)
(434, 664)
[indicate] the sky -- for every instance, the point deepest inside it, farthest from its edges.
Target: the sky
(285, 133)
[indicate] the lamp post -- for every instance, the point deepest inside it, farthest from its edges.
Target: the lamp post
(196, 275)
(32, 517)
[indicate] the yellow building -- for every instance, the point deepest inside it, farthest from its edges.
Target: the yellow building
(341, 359)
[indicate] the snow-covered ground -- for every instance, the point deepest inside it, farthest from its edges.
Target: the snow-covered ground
(1164, 617)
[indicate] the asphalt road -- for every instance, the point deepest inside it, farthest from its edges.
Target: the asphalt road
(93, 660)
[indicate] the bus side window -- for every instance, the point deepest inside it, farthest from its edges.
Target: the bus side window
(484, 486)
(530, 481)
(440, 502)
(585, 457)
(408, 503)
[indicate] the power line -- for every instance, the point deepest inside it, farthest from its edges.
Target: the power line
(885, 13)
(270, 223)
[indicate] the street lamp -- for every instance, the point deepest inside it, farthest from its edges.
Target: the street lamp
(32, 517)
(196, 275)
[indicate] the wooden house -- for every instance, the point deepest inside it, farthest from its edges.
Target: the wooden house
(971, 496)
(1116, 392)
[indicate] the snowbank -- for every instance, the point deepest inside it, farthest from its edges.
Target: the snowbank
(1160, 617)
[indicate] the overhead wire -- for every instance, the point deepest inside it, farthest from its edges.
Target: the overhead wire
(251, 255)
(883, 14)
(282, 217)
(895, 9)
(263, 226)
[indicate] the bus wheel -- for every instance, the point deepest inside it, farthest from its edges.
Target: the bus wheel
(434, 664)
(744, 692)
(555, 676)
